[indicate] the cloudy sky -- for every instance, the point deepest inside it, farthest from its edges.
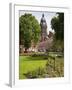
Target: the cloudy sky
(48, 16)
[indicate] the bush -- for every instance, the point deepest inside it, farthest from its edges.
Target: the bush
(38, 73)
(34, 55)
(28, 74)
(34, 74)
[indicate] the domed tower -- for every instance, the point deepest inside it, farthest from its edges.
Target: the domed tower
(43, 25)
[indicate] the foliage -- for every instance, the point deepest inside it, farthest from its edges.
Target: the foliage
(58, 46)
(57, 23)
(29, 30)
(35, 73)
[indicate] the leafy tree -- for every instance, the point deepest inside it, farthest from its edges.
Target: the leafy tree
(57, 23)
(29, 30)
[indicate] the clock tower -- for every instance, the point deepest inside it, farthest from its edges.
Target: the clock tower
(43, 25)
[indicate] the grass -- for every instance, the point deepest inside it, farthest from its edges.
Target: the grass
(28, 63)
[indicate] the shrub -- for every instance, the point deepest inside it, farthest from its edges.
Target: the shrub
(38, 73)
(28, 74)
(34, 74)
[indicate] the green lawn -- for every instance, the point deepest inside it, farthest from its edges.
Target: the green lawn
(28, 63)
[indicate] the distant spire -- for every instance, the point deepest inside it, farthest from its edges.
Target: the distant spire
(43, 15)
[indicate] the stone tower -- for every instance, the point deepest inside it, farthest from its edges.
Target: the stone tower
(43, 25)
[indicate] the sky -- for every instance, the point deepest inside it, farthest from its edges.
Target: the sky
(48, 16)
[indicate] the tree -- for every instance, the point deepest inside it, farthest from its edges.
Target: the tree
(57, 23)
(29, 30)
